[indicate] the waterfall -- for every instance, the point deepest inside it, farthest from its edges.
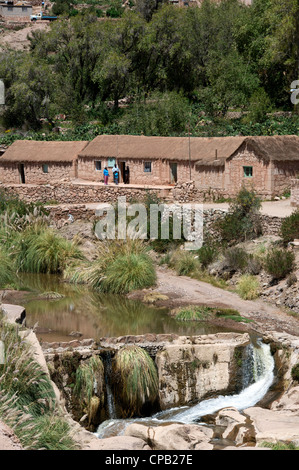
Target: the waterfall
(109, 395)
(261, 363)
(257, 377)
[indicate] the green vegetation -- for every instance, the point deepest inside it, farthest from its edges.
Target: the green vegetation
(279, 263)
(193, 313)
(204, 313)
(248, 287)
(290, 227)
(242, 221)
(121, 266)
(27, 398)
(279, 446)
(40, 250)
(90, 396)
(174, 66)
(135, 379)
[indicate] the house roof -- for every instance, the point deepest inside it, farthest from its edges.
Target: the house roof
(203, 150)
(43, 151)
(170, 148)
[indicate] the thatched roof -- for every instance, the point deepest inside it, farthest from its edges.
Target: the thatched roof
(43, 151)
(169, 148)
(202, 150)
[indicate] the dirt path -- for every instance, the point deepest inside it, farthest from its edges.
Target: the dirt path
(183, 290)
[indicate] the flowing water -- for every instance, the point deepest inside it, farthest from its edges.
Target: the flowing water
(258, 373)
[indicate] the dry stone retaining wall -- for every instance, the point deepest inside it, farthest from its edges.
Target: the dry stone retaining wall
(295, 193)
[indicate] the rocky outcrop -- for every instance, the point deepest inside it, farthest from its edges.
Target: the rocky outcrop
(8, 440)
(173, 436)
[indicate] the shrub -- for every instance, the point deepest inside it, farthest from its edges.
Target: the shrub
(291, 280)
(279, 263)
(206, 255)
(289, 230)
(236, 258)
(242, 221)
(248, 287)
(135, 379)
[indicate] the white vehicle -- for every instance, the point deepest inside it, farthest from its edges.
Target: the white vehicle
(41, 16)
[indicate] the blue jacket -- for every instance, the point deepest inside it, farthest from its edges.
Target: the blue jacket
(105, 172)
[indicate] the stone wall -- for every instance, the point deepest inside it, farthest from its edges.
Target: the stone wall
(35, 172)
(295, 193)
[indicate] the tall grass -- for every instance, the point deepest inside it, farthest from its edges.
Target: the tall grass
(89, 385)
(248, 287)
(7, 272)
(135, 379)
(120, 268)
(40, 250)
(27, 398)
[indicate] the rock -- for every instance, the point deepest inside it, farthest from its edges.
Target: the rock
(230, 418)
(273, 426)
(173, 436)
(8, 440)
(288, 402)
(117, 443)
(208, 365)
(14, 313)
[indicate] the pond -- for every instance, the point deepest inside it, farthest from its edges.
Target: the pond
(95, 315)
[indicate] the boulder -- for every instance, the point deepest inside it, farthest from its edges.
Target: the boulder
(13, 313)
(117, 443)
(273, 426)
(288, 402)
(8, 440)
(173, 436)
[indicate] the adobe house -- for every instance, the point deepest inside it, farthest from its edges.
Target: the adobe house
(39, 162)
(17, 12)
(225, 163)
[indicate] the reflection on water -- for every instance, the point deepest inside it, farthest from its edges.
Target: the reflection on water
(95, 315)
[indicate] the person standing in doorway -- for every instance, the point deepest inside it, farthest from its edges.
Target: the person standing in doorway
(115, 172)
(127, 175)
(106, 175)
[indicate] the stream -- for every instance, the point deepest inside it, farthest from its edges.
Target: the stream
(258, 375)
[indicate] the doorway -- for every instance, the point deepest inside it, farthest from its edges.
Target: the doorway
(173, 173)
(22, 173)
(122, 167)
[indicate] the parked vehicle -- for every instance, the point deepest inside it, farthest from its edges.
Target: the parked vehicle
(41, 16)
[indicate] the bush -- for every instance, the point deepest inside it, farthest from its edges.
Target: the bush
(279, 263)
(242, 221)
(236, 258)
(206, 255)
(248, 287)
(184, 262)
(135, 380)
(290, 227)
